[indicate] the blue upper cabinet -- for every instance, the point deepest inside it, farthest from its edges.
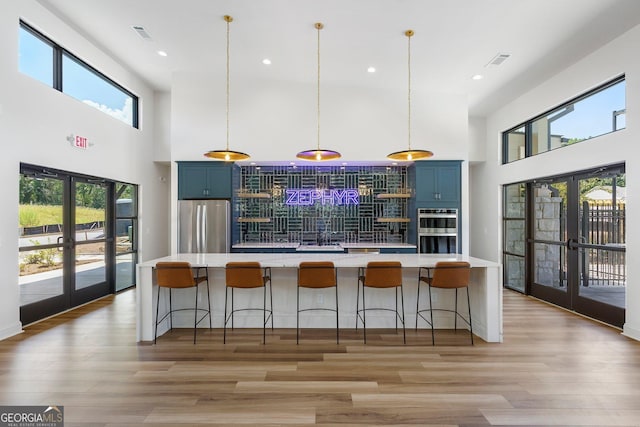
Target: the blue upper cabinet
(204, 180)
(437, 183)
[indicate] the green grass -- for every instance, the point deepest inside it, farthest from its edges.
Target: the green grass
(36, 215)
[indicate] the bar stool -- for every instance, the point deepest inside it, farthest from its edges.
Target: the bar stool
(445, 275)
(316, 275)
(179, 275)
(380, 274)
(248, 275)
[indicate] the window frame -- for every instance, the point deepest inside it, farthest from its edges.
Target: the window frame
(59, 53)
(528, 124)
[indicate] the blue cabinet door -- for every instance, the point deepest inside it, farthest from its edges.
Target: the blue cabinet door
(203, 180)
(438, 183)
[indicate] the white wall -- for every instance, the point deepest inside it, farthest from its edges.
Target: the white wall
(34, 123)
(619, 56)
(273, 120)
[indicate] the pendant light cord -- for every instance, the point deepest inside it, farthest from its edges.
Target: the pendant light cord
(319, 26)
(228, 19)
(409, 33)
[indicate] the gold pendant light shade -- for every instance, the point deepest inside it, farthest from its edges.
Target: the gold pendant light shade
(318, 154)
(409, 154)
(227, 155)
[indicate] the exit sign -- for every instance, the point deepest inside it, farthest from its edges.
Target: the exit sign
(78, 141)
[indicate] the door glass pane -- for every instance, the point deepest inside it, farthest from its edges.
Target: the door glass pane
(551, 266)
(125, 271)
(40, 224)
(603, 276)
(91, 200)
(550, 203)
(550, 224)
(514, 272)
(602, 214)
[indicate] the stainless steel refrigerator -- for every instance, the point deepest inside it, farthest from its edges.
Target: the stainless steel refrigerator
(204, 226)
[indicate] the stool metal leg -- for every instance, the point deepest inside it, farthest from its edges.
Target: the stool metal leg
(404, 334)
(433, 337)
(470, 322)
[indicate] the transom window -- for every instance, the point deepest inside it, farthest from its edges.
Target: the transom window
(598, 112)
(46, 61)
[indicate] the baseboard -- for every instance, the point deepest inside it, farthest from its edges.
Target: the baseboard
(630, 332)
(10, 331)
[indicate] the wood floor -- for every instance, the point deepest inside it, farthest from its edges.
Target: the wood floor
(554, 368)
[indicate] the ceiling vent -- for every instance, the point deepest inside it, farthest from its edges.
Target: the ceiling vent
(141, 32)
(498, 59)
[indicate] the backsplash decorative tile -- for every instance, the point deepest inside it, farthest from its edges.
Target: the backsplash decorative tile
(316, 204)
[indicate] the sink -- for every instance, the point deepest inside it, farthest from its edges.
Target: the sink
(320, 248)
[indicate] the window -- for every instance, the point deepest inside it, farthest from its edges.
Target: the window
(126, 235)
(88, 86)
(595, 113)
(35, 56)
(48, 62)
(514, 236)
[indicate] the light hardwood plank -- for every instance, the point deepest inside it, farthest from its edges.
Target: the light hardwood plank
(554, 368)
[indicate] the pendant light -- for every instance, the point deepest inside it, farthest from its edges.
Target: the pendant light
(227, 155)
(318, 154)
(409, 154)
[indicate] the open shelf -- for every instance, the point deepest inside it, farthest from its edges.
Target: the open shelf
(241, 219)
(393, 196)
(393, 219)
(245, 195)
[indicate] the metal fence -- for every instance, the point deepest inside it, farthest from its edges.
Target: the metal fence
(603, 224)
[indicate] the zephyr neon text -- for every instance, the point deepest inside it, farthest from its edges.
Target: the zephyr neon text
(326, 197)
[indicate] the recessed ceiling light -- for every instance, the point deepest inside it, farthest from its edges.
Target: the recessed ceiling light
(252, 163)
(162, 53)
(371, 70)
(266, 61)
(394, 164)
(477, 77)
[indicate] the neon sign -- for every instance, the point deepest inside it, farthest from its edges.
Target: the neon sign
(299, 197)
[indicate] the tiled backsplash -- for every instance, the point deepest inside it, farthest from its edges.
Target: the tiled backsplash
(265, 206)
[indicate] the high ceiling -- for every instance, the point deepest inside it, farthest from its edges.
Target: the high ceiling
(454, 40)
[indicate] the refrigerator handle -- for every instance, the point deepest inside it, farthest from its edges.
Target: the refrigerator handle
(203, 249)
(198, 231)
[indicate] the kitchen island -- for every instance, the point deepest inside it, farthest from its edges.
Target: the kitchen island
(485, 292)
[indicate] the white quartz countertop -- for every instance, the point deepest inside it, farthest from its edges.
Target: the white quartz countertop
(292, 260)
(287, 245)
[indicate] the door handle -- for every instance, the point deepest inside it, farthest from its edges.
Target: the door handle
(572, 244)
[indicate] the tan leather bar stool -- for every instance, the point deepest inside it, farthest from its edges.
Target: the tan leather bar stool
(445, 275)
(316, 275)
(248, 275)
(180, 275)
(380, 274)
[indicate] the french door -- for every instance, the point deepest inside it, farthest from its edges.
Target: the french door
(64, 243)
(577, 242)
